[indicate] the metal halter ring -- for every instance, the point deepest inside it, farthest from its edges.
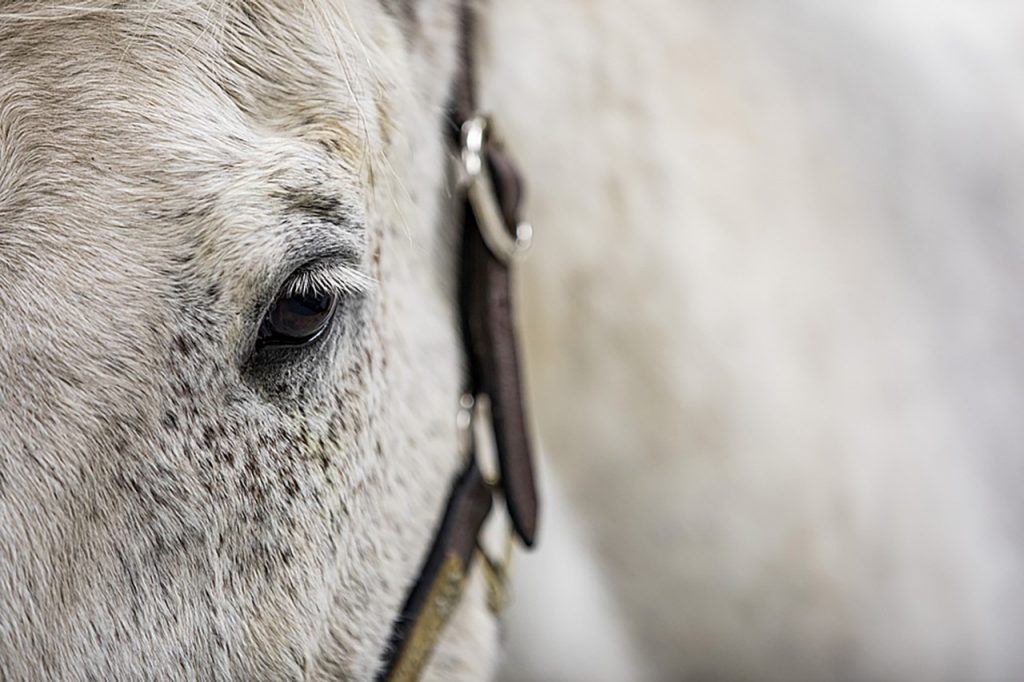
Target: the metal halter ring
(482, 197)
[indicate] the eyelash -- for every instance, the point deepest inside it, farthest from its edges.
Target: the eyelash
(336, 279)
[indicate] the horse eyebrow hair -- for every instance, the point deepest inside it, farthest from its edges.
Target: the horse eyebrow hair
(340, 236)
(325, 208)
(321, 205)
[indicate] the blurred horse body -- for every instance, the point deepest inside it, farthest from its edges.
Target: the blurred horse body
(774, 331)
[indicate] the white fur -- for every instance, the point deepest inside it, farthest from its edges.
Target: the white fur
(777, 272)
(771, 321)
(169, 507)
(563, 620)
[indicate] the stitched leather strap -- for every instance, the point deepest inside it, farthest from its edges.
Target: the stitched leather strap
(437, 591)
(489, 329)
(488, 326)
(488, 319)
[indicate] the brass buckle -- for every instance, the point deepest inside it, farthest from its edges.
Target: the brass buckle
(496, 574)
(496, 570)
(482, 197)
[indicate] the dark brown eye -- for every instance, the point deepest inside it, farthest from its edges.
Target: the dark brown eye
(297, 318)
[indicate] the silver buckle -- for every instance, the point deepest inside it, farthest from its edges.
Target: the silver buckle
(505, 247)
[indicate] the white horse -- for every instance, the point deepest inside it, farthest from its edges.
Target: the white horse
(771, 333)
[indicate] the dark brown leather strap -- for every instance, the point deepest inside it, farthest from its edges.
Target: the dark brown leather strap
(489, 329)
(488, 326)
(488, 319)
(464, 102)
(437, 591)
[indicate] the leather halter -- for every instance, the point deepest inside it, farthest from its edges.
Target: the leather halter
(492, 234)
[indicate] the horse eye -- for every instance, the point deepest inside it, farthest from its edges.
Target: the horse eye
(297, 318)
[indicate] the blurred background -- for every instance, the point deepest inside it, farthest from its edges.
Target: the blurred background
(773, 336)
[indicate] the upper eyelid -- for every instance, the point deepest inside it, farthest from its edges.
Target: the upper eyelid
(325, 254)
(329, 276)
